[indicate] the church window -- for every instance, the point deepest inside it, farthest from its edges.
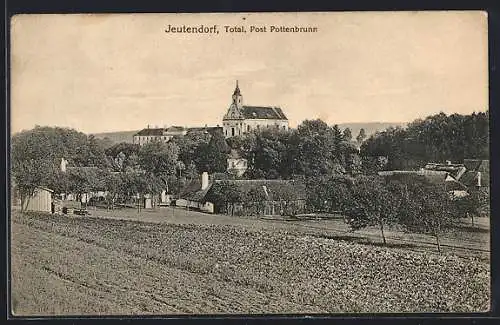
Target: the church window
(248, 128)
(232, 132)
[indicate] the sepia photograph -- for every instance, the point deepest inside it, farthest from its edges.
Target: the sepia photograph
(249, 163)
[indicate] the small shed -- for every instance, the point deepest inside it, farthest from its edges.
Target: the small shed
(40, 201)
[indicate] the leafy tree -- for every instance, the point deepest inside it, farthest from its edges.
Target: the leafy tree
(220, 194)
(85, 180)
(213, 157)
(361, 136)
(371, 204)
(159, 158)
(328, 193)
(27, 176)
(316, 148)
(190, 146)
(347, 134)
(436, 138)
(425, 207)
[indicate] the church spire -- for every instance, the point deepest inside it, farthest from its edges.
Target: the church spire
(237, 89)
(237, 97)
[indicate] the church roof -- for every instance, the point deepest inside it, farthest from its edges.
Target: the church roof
(263, 112)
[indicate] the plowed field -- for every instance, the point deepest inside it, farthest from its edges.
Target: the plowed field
(63, 265)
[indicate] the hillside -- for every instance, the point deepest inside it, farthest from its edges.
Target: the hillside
(370, 127)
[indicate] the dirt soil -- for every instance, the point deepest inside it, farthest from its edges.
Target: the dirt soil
(66, 265)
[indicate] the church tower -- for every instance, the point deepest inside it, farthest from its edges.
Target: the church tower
(233, 120)
(237, 97)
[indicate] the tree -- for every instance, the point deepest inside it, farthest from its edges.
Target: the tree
(28, 175)
(317, 149)
(190, 146)
(347, 134)
(425, 207)
(371, 204)
(213, 156)
(328, 193)
(468, 205)
(159, 158)
(220, 194)
(361, 136)
(436, 138)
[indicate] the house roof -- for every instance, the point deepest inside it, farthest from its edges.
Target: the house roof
(470, 178)
(432, 176)
(45, 189)
(263, 112)
(209, 129)
(273, 189)
(175, 128)
(151, 132)
(455, 170)
(480, 165)
(85, 168)
(234, 154)
(161, 131)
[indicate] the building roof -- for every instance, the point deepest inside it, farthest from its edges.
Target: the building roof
(273, 189)
(470, 178)
(234, 154)
(45, 189)
(263, 112)
(432, 176)
(150, 132)
(454, 170)
(175, 129)
(209, 129)
(480, 165)
(86, 168)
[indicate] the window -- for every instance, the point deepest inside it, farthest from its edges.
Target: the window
(284, 127)
(232, 132)
(248, 128)
(225, 132)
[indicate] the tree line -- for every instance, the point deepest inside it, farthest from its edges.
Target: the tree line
(436, 138)
(409, 202)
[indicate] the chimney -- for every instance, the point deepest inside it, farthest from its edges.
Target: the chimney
(204, 181)
(478, 179)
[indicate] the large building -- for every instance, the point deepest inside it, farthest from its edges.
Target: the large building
(165, 134)
(241, 119)
(158, 134)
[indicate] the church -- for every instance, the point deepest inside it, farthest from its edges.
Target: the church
(241, 119)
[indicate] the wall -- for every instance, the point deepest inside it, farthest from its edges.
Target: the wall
(244, 126)
(239, 165)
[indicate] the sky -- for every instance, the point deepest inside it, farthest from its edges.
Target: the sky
(118, 72)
